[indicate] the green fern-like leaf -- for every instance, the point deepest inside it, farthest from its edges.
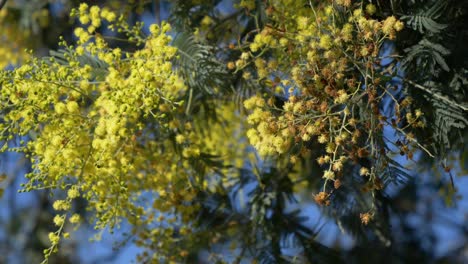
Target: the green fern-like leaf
(61, 56)
(448, 110)
(425, 20)
(427, 54)
(447, 119)
(203, 72)
(459, 83)
(395, 173)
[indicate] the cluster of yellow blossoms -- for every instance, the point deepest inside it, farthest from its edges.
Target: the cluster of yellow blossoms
(110, 126)
(111, 134)
(330, 54)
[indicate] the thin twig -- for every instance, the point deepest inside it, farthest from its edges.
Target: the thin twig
(415, 141)
(438, 96)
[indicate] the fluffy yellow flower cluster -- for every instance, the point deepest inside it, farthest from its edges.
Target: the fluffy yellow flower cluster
(269, 137)
(93, 16)
(107, 134)
(332, 99)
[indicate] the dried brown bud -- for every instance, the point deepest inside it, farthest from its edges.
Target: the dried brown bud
(362, 153)
(447, 168)
(378, 184)
(337, 184)
(323, 107)
(365, 218)
(231, 65)
(322, 198)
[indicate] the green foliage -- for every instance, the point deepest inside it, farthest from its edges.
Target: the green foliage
(426, 18)
(205, 75)
(449, 119)
(429, 54)
(432, 61)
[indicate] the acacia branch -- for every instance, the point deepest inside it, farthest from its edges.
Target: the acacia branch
(438, 96)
